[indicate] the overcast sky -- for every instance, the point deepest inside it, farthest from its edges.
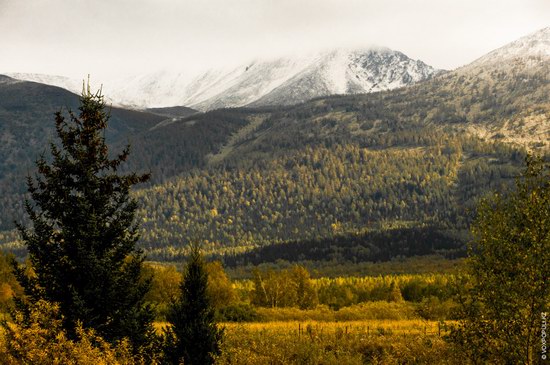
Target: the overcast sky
(110, 37)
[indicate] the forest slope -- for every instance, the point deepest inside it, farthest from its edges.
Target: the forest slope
(416, 158)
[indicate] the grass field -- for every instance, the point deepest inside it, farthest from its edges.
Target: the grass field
(354, 342)
(401, 327)
(300, 328)
(331, 343)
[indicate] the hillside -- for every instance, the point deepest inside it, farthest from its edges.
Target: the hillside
(333, 175)
(26, 129)
(414, 157)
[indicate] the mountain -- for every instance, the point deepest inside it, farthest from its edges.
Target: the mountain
(330, 171)
(349, 72)
(282, 81)
(27, 127)
(26, 114)
(63, 82)
(535, 46)
(290, 81)
(515, 80)
(342, 177)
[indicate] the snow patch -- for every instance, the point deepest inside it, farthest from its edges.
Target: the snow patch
(286, 80)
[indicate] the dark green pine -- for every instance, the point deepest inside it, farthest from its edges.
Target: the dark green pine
(82, 243)
(193, 336)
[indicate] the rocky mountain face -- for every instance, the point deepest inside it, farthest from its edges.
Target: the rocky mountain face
(283, 81)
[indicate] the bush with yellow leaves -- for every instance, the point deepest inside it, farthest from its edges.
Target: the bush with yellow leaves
(39, 338)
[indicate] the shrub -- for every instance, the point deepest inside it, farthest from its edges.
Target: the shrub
(39, 338)
(376, 310)
(237, 313)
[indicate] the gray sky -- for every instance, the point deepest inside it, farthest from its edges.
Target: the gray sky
(110, 37)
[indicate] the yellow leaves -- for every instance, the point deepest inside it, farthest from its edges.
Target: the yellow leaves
(213, 212)
(44, 341)
(6, 292)
(336, 227)
(220, 289)
(165, 284)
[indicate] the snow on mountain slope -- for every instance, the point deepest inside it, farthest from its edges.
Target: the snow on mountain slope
(292, 80)
(287, 80)
(350, 72)
(158, 89)
(246, 84)
(67, 83)
(533, 46)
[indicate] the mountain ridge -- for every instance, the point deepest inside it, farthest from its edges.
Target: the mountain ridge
(534, 45)
(335, 166)
(279, 81)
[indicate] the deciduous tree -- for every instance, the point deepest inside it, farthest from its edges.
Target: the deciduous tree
(509, 270)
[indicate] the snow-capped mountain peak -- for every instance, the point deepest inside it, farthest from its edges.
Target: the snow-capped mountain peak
(292, 80)
(280, 81)
(67, 83)
(349, 71)
(534, 45)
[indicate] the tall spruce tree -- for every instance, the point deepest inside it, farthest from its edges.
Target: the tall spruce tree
(82, 241)
(193, 335)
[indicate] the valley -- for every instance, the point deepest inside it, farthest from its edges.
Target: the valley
(347, 206)
(323, 171)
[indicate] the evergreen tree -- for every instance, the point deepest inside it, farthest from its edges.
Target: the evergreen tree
(193, 335)
(81, 244)
(509, 269)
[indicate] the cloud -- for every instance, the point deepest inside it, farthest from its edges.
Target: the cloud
(83, 36)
